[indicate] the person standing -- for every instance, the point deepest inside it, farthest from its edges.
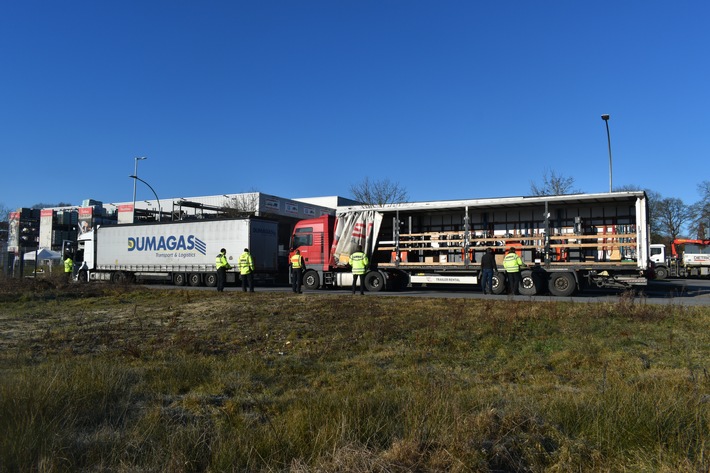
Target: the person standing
(68, 267)
(297, 269)
(512, 264)
(222, 266)
(246, 270)
(359, 263)
(488, 267)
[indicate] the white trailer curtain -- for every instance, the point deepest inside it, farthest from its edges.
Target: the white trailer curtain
(353, 229)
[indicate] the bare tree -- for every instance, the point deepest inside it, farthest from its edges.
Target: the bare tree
(4, 213)
(242, 205)
(375, 193)
(672, 214)
(553, 184)
(700, 212)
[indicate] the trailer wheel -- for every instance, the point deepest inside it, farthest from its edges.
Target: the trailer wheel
(374, 281)
(531, 283)
(119, 277)
(498, 283)
(661, 273)
(179, 279)
(211, 279)
(562, 284)
(195, 279)
(311, 280)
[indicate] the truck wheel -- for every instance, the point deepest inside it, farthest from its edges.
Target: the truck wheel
(179, 279)
(498, 283)
(531, 284)
(661, 273)
(82, 277)
(211, 279)
(374, 281)
(195, 279)
(311, 280)
(562, 284)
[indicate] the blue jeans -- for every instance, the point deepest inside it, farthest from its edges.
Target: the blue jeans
(487, 280)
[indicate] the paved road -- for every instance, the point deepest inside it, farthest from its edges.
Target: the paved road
(688, 292)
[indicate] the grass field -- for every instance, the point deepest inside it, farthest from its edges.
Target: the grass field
(123, 379)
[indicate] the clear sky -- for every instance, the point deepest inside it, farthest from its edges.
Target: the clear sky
(301, 98)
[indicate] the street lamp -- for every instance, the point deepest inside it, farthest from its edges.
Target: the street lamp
(605, 117)
(136, 178)
(135, 173)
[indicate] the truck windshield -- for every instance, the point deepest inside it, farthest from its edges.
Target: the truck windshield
(302, 237)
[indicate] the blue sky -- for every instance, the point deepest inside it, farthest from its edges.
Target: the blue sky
(451, 99)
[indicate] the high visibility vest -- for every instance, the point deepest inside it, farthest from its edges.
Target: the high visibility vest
(297, 261)
(359, 262)
(246, 263)
(221, 261)
(512, 263)
(68, 265)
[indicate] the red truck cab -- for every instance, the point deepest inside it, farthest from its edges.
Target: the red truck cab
(313, 237)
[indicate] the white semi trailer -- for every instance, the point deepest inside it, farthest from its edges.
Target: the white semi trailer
(178, 252)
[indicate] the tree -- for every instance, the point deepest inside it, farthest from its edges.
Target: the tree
(242, 205)
(672, 214)
(700, 212)
(553, 184)
(4, 213)
(376, 193)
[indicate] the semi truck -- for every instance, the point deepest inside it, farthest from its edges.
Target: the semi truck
(692, 261)
(568, 242)
(176, 252)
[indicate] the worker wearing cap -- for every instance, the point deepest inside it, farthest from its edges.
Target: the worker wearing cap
(512, 264)
(297, 268)
(68, 267)
(222, 266)
(359, 263)
(246, 270)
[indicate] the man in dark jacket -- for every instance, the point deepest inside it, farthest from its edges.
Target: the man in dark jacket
(488, 266)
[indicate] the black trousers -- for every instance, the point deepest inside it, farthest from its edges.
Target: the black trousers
(362, 282)
(515, 280)
(221, 278)
(296, 279)
(248, 279)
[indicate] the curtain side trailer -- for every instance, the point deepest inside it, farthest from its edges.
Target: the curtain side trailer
(178, 252)
(567, 242)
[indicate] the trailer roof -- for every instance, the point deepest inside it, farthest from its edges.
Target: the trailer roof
(498, 202)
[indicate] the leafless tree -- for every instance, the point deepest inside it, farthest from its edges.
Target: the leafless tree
(242, 205)
(4, 213)
(553, 184)
(700, 212)
(380, 192)
(672, 214)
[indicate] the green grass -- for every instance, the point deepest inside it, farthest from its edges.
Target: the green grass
(119, 378)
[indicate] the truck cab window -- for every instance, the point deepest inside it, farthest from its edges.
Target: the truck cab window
(303, 237)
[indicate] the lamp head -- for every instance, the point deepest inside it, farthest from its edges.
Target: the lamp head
(605, 117)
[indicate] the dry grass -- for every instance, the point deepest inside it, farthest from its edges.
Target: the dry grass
(119, 378)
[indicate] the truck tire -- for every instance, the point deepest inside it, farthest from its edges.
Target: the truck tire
(374, 281)
(83, 276)
(119, 277)
(211, 279)
(179, 279)
(661, 273)
(195, 279)
(498, 283)
(531, 283)
(311, 280)
(562, 284)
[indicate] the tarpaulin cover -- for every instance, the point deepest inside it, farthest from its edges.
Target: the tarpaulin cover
(353, 229)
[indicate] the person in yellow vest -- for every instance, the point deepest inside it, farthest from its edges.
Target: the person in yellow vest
(68, 267)
(222, 266)
(359, 264)
(513, 264)
(297, 269)
(246, 270)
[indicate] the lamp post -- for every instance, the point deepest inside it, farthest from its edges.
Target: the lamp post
(605, 117)
(136, 178)
(135, 173)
